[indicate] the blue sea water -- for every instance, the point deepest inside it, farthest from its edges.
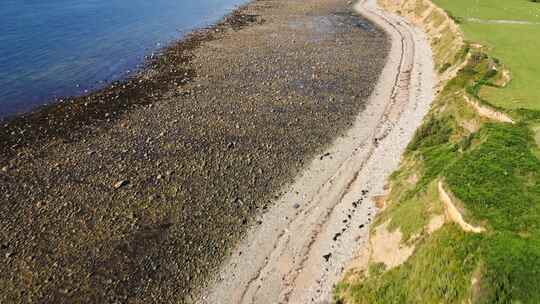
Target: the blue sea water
(55, 48)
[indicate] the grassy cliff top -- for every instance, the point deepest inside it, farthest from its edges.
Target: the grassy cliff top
(510, 29)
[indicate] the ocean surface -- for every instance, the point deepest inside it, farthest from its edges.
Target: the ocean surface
(56, 48)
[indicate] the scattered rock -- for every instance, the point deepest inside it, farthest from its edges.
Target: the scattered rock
(324, 155)
(120, 184)
(327, 256)
(192, 131)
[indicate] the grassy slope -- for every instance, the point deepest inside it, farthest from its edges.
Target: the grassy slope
(493, 169)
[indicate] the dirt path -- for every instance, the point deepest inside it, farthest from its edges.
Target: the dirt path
(501, 21)
(297, 254)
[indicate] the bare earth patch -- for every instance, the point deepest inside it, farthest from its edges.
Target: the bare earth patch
(453, 213)
(435, 223)
(488, 112)
(387, 247)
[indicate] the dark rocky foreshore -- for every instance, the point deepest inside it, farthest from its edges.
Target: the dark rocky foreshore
(136, 193)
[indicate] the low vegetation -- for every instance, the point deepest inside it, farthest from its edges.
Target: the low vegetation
(492, 169)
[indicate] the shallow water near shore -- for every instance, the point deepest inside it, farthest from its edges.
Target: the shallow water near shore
(56, 48)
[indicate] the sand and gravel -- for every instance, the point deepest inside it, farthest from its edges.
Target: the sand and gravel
(297, 254)
(138, 193)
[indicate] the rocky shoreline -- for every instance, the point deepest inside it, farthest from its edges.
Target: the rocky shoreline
(70, 118)
(136, 193)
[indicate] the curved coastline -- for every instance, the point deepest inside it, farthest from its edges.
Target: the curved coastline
(142, 197)
(69, 118)
(299, 255)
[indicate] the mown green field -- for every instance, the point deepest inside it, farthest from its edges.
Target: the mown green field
(523, 10)
(517, 45)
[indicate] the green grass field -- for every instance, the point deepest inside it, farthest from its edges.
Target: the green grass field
(522, 10)
(516, 45)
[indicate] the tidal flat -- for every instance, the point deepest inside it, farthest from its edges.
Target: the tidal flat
(136, 193)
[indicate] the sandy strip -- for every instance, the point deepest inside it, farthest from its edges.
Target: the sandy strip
(297, 255)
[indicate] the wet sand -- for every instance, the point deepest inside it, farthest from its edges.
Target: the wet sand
(139, 192)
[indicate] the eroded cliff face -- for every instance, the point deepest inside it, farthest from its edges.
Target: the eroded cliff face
(465, 186)
(444, 34)
(414, 218)
(387, 245)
